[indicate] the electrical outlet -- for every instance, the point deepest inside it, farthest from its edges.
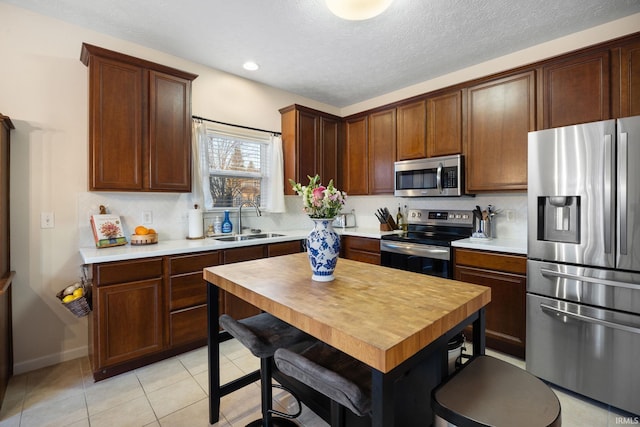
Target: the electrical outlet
(511, 215)
(47, 220)
(147, 217)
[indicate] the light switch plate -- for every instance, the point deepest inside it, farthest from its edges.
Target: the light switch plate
(47, 220)
(147, 217)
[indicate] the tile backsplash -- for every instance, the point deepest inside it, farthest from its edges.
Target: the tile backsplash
(169, 212)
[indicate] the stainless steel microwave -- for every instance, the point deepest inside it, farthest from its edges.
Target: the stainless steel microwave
(430, 177)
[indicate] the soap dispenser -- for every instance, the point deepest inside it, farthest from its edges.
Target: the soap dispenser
(227, 227)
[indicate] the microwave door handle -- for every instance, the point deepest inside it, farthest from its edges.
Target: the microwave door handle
(608, 201)
(581, 317)
(439, 177)
(622, 191)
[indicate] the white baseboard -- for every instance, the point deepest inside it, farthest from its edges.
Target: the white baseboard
(52, 359)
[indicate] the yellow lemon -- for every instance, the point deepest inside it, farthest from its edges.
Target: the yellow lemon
(78, 293)
(68, 298)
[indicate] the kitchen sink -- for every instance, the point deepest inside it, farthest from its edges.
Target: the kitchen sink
(241, 237)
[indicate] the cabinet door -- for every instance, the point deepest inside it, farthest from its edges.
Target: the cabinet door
(500, 115)
(307, 146)
(117, 101)
(130, 321)
(444, 127)
(505, 314)
(169, 133)
(234, 306)
(576, 90)
(626, 81)
(382, 151)
(412, 131)
(355, 169)
(328, 158)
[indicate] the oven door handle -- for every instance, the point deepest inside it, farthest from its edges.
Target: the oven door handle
(597, 281)
(425, 251)
(557, 312)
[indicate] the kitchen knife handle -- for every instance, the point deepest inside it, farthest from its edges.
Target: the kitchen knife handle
(608, 201)
(622, 190)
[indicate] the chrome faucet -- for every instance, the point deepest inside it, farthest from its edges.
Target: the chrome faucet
(249, 203)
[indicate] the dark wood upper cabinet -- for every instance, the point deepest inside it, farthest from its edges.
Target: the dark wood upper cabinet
(310, 141)
(576, 90)
(501, 112)
(355, 155)
(382, 151)
(626, 79)
(444, 124)
(139, 123)
(412, 131)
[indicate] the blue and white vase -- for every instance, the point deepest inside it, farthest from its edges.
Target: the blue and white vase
(323, 248)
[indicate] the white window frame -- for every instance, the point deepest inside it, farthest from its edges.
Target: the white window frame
(241, 136)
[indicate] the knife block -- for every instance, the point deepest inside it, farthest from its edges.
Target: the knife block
(385, 227)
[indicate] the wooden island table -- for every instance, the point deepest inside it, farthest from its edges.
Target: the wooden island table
(396, 322)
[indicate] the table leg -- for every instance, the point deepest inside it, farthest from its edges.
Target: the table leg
(479, 337)
(214, 353)
(382, 403)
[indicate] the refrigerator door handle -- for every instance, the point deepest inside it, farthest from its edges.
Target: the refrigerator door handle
(622, 190)
(581, 317)
(608, 201)
(597, 281)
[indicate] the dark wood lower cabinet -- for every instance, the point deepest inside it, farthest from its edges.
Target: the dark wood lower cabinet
(505, 274)
(145, 310)
(362, 249)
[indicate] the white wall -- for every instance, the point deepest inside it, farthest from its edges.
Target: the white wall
(43, 88)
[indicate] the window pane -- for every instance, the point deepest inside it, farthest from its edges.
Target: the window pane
(237, 169)
(231, 191)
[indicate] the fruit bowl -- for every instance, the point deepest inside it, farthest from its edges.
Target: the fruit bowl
(144, 239)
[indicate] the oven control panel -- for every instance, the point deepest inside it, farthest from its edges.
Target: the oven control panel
(440, 217)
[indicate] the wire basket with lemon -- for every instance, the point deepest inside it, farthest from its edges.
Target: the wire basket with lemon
(77, 297)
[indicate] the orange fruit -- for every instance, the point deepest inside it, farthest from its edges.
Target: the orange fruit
(141, 230)
(152, 231)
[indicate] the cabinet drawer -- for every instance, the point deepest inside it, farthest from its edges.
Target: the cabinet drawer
(491, 261)
(362, 244)
(187, 290)
(127, 271)
(193, 262)
(188, 325)
(246, 253)
(284, 248)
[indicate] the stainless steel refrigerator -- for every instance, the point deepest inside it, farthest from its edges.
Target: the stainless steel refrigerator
(583, 271)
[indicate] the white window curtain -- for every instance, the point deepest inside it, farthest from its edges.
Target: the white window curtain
(275, 196)
(200, 194)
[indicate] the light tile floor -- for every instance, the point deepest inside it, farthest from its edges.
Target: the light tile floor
(173, 393)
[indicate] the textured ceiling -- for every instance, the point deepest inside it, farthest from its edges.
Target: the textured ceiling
(302, 48)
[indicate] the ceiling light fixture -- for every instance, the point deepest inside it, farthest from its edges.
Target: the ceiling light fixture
(250, 66)
(357, 10)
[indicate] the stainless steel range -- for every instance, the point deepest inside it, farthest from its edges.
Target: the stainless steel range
(426, 245)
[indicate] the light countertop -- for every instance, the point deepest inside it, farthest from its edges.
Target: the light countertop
(91, 255)
(512, 246)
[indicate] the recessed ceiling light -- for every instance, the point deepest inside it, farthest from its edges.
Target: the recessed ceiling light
(250, 65)
(357, 10)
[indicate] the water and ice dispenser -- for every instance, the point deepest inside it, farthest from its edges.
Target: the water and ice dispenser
(559, 219)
